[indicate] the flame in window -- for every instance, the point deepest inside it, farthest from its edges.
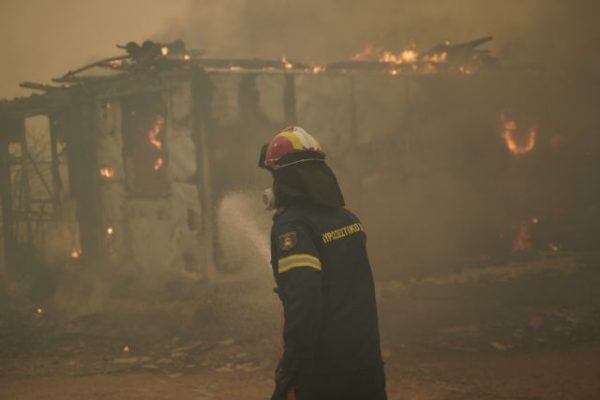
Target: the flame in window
(75, 253)
(158, 163)
(107, 172)
(509, 134)
(157, 126)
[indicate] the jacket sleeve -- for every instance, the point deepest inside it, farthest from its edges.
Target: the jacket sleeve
(297, 270)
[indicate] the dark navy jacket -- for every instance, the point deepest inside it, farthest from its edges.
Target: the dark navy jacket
(324, 280)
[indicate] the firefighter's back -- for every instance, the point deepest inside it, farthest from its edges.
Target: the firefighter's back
(348, 357)
(349, 336)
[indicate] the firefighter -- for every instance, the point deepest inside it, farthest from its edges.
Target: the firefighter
(320, 263)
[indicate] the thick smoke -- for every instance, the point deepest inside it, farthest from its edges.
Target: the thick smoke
(44, 39)
(542, 32)
(545, 36)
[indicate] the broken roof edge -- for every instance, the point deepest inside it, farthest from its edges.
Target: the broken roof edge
(152, 55)
(34, 104)
(54, 98)
(103, 87)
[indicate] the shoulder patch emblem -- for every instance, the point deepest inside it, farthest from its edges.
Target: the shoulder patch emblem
(288, 241)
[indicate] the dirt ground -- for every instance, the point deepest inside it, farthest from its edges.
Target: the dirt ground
(527, 330)
(568, 373)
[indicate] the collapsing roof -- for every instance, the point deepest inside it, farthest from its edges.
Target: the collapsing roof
(149, 57)
(460, 58)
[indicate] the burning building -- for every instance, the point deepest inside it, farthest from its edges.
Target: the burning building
(449, 153)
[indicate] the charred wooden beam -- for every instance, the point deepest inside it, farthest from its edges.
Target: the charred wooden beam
(11, 130)
(55, 132)
(367, 66)
(6, 200)
(73, 73)
(40, 86)
(35, 166)
(233, 63)
(24, 200)
(203, 129)
(464, 51)
(35, 104)
(150, 50)
(83, 172)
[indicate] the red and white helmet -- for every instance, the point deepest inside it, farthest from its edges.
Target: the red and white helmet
(290, 146)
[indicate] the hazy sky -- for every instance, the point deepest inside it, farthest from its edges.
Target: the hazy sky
(42, 39)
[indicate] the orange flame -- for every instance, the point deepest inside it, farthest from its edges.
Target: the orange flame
(421, 63)
(116, 63)
(554, 247)
(408, 56)
(109, 231)
(286, 63)
(508, 134)
(107, 172)
(75, 253)
(159, 123)
(436, 58)
(365, 54)
(158, 163)
(467, 70)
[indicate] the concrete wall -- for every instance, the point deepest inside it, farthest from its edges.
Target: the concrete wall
(156, 236)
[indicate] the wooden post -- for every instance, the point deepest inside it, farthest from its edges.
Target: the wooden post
(56, 181)
(10, 130)
(6, 197)
(203, 125)
(25, 198)
(83, 174)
